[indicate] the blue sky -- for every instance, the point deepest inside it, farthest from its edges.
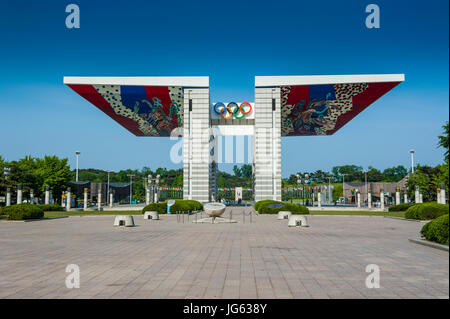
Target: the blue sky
(230, 41)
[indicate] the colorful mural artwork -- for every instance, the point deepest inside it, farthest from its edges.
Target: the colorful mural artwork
(143, 110)
(322, 109)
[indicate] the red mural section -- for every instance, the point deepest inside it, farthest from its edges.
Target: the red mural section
(142, 110)
(308, 110)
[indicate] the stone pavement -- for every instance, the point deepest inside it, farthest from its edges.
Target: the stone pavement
(265, 259)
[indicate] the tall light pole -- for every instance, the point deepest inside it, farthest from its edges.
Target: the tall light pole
(131, 186)
(412, 160)
(77, 153)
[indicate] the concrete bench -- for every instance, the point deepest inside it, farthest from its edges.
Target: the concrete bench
(151, 215)
(284, 215)
(297, 221)
(124, 220)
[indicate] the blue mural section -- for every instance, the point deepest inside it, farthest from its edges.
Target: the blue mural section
(135, 98)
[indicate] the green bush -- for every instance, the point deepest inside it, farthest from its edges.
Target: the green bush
(263, 207)
(426, 211)
(437, 230)
(261, 203)
(51, 208)
(179, 206)
(23, 211)
(401, 207)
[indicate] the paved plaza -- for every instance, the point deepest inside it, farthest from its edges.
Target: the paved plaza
(264, 259)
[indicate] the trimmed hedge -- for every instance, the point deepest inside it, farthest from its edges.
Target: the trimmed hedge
(437, 230)
(179, 206)
(263, 207)
(401, 207)
(23, 211)
(51, 208)
(426, 211)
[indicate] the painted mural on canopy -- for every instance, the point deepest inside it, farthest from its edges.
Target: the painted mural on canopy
(323, 109)
(143, 110)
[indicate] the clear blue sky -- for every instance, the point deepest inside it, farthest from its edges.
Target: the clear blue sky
(231, 41)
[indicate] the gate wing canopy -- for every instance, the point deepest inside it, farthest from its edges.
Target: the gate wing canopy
(321, 105)
(145, 106)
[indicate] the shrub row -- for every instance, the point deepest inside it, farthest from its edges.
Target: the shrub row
(426, 211)
(23, 211)
(401, 207)
(437, 230)
(263, 207)
(179, 206)
(51, 208)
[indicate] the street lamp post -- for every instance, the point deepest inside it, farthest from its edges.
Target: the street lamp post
(412, 160)
(298, 179)
(77, 153)
(131, 186)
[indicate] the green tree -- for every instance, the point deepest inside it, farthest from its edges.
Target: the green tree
(394, 174)
(246, 171)
(443, 141)
(237, 171)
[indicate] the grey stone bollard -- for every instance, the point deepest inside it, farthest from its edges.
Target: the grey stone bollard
(68, 196)
(8, 196)
(382, 200)
(85, 199)
(397, 198)
(417, 196)
(111, 199)
(31, 196)
(369, 200)
(47, 196)
(99, 199)
(405, 198)
(19, 194)
(358, 196)
(147, 196)
(319, 199)
(443, 201)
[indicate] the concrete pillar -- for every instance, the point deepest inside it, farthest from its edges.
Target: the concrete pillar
(417, 196)
(267, 143)
(382, 199)
(147, 195)
(156, 194)
(438, 196)
(369, 200)
(397, 198)
(358, 196)
(8, 196)
(405, 198)
(443, 196)
(52, 201)
(68, 199)
(111, 199)
(31, 196)
(319, 199)
(99, 199)
(19, 194)
(47, 196)
(421, 197)
(85, 199)
(196, 168)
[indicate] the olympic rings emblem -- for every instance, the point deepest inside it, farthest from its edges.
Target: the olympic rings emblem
(232, 109)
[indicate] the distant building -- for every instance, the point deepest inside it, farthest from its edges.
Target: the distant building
(121, 191)
(389, 188)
